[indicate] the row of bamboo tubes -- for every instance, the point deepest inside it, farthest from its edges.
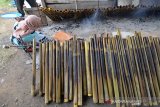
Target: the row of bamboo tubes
(125, 71)
(58, 15)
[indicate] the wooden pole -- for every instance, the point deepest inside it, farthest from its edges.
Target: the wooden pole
(41, 69)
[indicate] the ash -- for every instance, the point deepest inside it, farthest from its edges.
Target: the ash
(85, 28)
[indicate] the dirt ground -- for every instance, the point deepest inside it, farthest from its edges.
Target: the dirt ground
(15, 74)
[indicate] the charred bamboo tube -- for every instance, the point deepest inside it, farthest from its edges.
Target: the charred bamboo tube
(50, 70)
(70, 70)
(58, 74)
(119, 72)
(139, 70)
(130, 66)
(47, 74)
(54, 72)
(114, 76)
(66, 86)
(108, 69)
(75, 70)
(43, 64)
(79, 56)
(156, 47)
(83, 65)
(41, 69)
(153, 70)
(93, 72)
(124, 67)
(148, 100)
(124, 93)
(135, 71)
(33, 87)
(104, 79)
(98, 70)
(87, 59)
(148, 69)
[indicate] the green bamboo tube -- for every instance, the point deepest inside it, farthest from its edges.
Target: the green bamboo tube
(47, 74)
(93, 72)
(33, 87)
(58, 73)
(108, 69)
(66, 74)
(41, 69)
(54, 72)
(43, 64)
(83, 65)
(102, 65)
(75, 71)
(50, 70)
(79, 67)
(87, 59)
(71, 70)
(147, 101)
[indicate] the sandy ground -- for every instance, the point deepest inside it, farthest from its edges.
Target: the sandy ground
(15, 74)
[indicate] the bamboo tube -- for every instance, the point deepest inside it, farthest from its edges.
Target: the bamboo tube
(131, 71)
(66, 83)
(41, 69)
(54, 72)
(135, 71)
(153, 71)
(70, 70)
(50, 70)
(79, 66)
(87, 59)
(114, 77)
(108, 69)
(147, 93)
(75, 71)
(43, 64)
(62, 68)
(58, 74)
(33, 87)
(47, 74)
(125, 68)
(104, 79)
(139, 70)
(148, 69)
(119, 74)
(93, 72)
(98, 70)
(83, 65)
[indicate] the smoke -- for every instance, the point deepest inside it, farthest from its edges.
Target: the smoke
(89, 23)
